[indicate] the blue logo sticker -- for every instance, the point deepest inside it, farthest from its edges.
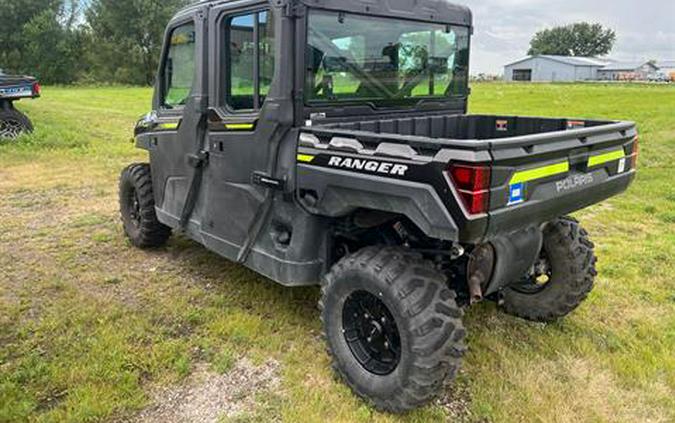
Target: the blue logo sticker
(516, 194)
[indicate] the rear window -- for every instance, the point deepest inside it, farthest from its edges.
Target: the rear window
(381, 60)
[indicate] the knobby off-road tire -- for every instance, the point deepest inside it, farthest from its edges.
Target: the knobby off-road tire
(13, 123)
(425, 315)
(137, 207)
(571, 259)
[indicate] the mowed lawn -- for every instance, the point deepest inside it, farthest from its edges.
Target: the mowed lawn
(92, 329)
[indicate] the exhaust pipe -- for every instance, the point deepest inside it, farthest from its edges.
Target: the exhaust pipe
(475, 289)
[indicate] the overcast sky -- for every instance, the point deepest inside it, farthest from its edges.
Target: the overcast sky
(645, 28)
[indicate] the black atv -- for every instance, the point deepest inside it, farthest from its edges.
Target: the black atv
(14, 88)
(328, 143)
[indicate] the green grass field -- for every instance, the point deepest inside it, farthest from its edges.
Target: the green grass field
(91, 328)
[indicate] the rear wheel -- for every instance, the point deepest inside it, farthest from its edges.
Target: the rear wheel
(13, 123)
(562, 277)
(137, 207)
(392, 327)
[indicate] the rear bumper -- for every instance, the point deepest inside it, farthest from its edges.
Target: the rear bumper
(541, 210)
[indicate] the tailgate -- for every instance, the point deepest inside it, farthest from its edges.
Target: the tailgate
(537, 178)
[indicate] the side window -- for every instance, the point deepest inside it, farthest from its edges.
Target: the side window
(250, 60)
(179, 67)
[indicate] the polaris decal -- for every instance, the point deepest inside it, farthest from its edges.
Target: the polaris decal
(368, 166)
(573, 182)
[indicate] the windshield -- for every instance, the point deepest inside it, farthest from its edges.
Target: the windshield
(383, 61)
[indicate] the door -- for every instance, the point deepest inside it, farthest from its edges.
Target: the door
(240, 131)
(522, 75)
(179, 112)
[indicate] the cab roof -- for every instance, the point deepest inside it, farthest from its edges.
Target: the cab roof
(437, 11)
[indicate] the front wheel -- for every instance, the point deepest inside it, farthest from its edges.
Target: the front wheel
(137, 207)
(13, 123)
(392, 327)
(561, 279)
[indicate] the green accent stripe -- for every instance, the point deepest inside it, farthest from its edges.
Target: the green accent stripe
(540, 173)
(239, 126)
(605, 158)
(305, 158)
(168, 125)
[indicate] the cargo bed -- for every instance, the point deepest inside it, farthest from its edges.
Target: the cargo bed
(471, 127)
(540, 168)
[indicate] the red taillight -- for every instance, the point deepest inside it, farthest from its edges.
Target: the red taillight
(635, 152)
(473, 184)
(37, 89)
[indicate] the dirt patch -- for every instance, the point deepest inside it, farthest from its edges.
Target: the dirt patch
(456, 401)
(208, 397)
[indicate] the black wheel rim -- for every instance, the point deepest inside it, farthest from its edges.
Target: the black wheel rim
(10, 129)
(134, 208)
(539, 279)
(371, 333)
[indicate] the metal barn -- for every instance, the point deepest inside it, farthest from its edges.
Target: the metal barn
(545, 68)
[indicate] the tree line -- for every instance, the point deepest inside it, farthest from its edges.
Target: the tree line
(582, 39)
(89, 41)
(119, 41)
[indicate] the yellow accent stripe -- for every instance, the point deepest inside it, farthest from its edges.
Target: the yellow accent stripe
(607, 157)
(169, 125)
(305, 158)
(540, 173)
(239, 126)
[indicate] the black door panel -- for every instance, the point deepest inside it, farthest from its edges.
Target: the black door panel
(180, 114)
(238, 140)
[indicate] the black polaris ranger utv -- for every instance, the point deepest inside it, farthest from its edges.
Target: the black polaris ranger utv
(14, 88)
(326, 142)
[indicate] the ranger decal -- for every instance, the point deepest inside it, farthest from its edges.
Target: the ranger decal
(368, 165)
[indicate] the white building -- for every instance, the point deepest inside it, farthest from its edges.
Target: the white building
(546, 68)
(627, 71)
